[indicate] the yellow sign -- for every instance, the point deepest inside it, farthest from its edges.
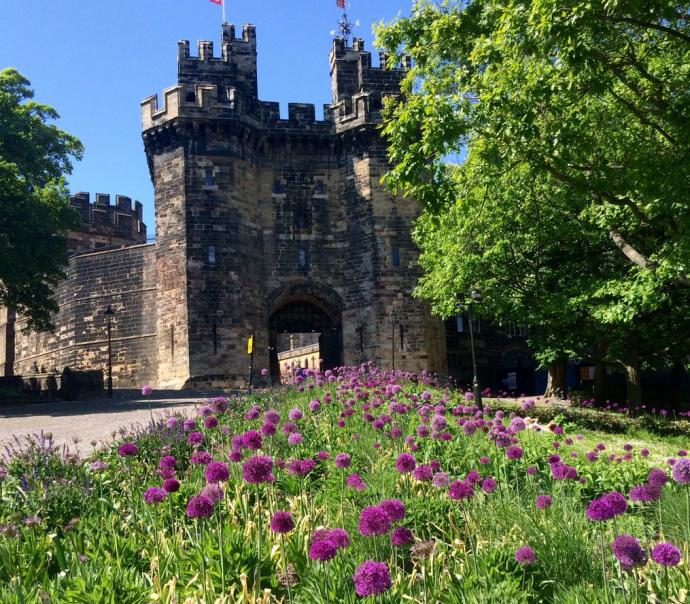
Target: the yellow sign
(250, 345)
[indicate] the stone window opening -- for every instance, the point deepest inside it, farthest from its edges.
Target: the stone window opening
(303, 258)
(320, 187)
(395, 256)
(191, 96)
(211, 256)
(277, 187)
(209, 177)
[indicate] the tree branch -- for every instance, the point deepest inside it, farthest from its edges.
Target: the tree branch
(638, 258)
(662, 28)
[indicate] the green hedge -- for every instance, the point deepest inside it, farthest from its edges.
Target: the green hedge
(595, 419)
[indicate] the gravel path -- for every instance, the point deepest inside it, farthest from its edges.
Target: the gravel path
(94, 419)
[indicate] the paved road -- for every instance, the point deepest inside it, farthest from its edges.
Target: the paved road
(94, 419)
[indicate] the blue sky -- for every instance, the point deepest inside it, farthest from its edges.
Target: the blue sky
(96, 60)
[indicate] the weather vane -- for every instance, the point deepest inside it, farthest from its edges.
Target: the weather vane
(345, 26)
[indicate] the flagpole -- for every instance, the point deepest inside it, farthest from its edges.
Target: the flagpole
(223, 4)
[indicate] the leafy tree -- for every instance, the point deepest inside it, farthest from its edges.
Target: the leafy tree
(587, 103)
(34, 201)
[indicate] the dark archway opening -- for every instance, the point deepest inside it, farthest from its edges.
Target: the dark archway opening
(304, 332)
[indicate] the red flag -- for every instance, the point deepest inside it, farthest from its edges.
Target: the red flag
(218, 2)
(340, 3)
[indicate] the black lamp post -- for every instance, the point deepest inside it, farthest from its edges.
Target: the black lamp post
(394, 322)
(109, 314)
(475, 296)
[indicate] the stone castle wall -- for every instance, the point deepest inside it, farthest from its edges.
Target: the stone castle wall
(123, 278)
(257, 213)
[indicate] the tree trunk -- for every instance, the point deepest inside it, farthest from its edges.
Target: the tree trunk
(633, 383)
(555, 385)
(599, 390)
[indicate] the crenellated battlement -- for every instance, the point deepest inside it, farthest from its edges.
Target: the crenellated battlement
(226, 87)
(358, 86)
(104, 224)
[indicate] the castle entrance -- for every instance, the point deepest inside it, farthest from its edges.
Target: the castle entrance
(305, 332)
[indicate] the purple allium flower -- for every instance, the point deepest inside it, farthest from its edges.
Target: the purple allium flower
(128, 450)
(374, 520)
(253, 412)
(322, 550)
(272, 416)
(531, 471)
(295, 439)
(97, 466)
(217, 471)
(645, 493)
(235, 455)
(461, 489)
(213, 491)
(339, 537)
(473, 476)
(251, 439)
(514, 452)
(295, 414)
(199, 506)
(354, 481)
(440, 479)
(554, 458)
(484, 460)
(201, 458)
(289, 427)
(681, 471)
(607, 506)
(154, 495)
(423, 473)
(258, 469)
(372, 578)
(282, 522)
(394, 508)
(268, 429)
(171, 485)
(210, 422)
(666, 554)
(172, 422)
(323, 455)
(401, 536)
(195, 438)
(406, 463)
(543, 502)
(525, 555)
(189, 424)
(489, 484)
(628, 551)
(657, 477)
(562, 471)
(343, 460)
(167, 463)
(644, 452)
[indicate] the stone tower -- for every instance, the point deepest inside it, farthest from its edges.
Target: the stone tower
(268, 225)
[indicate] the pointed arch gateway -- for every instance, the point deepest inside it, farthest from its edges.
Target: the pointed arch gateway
(304, 308)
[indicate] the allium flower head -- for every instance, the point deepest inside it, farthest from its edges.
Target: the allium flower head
(514, 452)
(401, 536)
(489, 484)
(97, 466)
(354, 481)
(213, 491)
(295, 414)
(423, 473)
(322, 550)
(406, 463)
(543, 502)
(606, 507)
(645, 493)
(252, 439)
(282, 522)
(217, 471)
(525, 555)
(374, 520)
(154, 495)
(146, 390)
(195, 438)
(657, 477)
(461, 489)
(562, 471)
(171, 485)
(128, 450)
(199, 506)
(258, 469)
(295, 439)
(440, 479)
(343, 460)
(372, 578)
(394, 508)
(167, 463)
(681, 471)
(339, 537)
(628, 551)
(666, 554)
